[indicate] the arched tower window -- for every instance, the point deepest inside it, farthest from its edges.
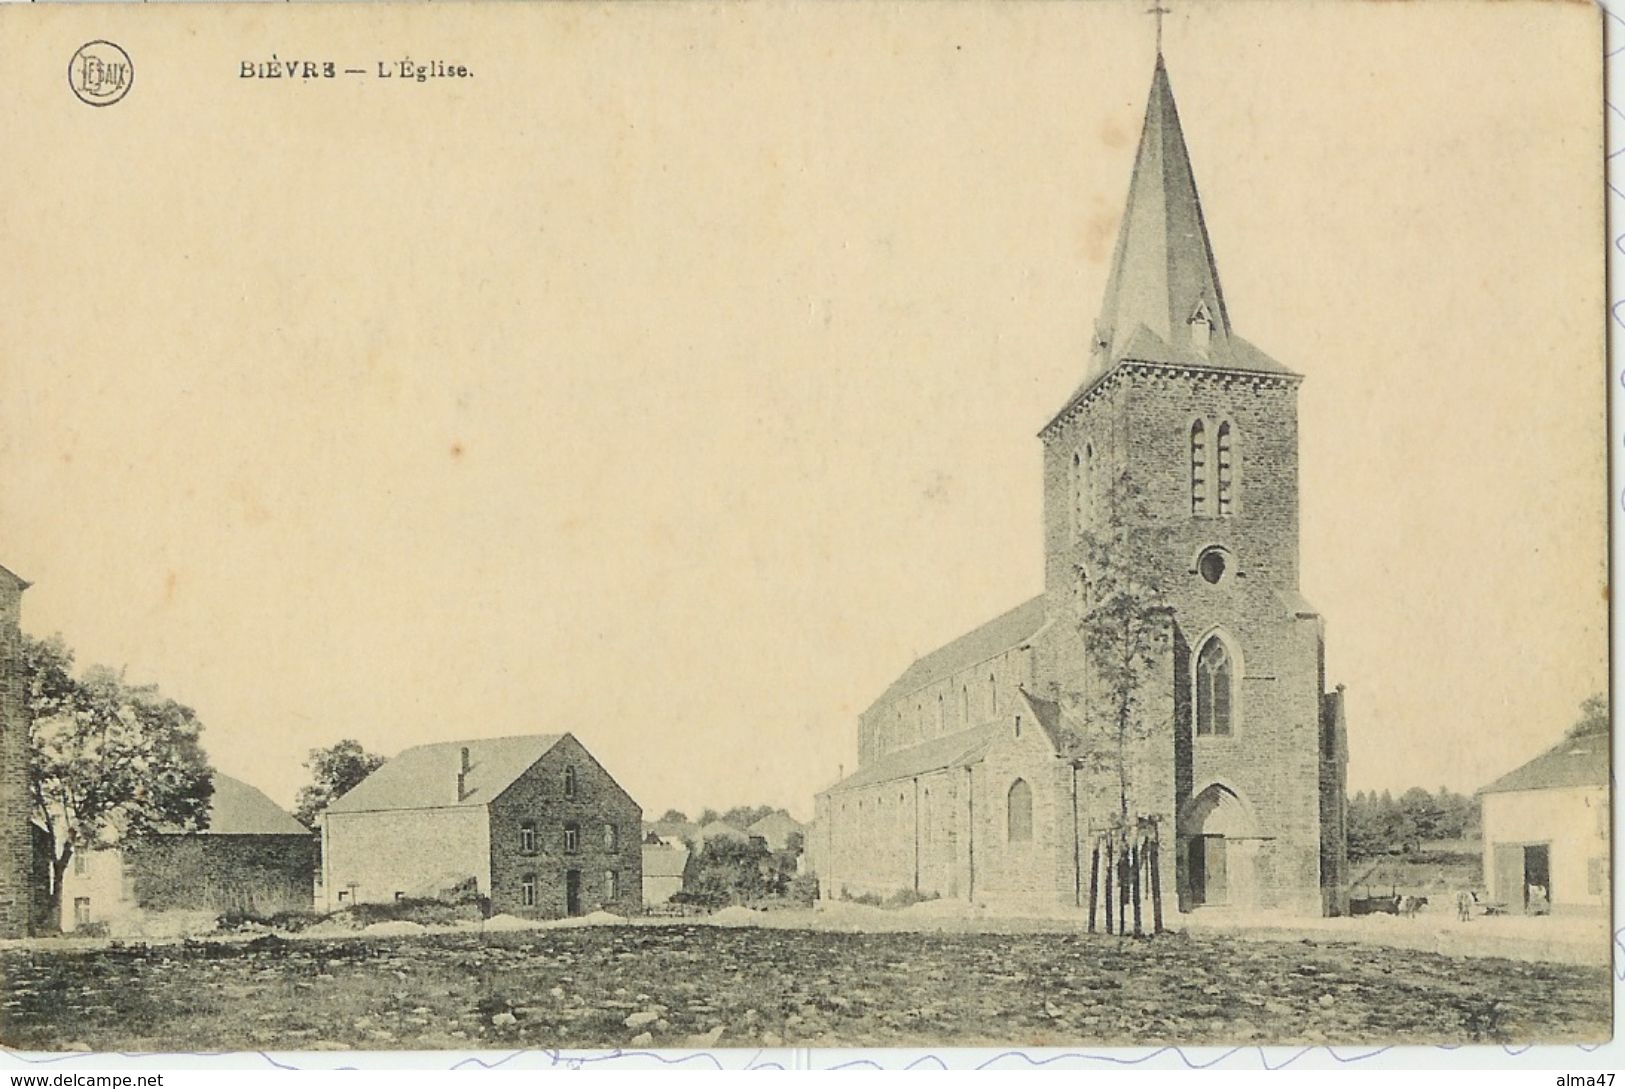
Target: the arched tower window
(1215, 689)
(1089, 513)
(1226, 468)
(964, 705)
(993, 693)
(1077, 493)
(1198, 468)
(1019, 812)
(942, 714)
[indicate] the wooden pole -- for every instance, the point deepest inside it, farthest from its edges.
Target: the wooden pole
(1094, 882)
(1111, 864)
(1122, 886)
(1156, 884)
(1139, 853)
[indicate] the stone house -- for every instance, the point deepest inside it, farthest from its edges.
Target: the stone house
(533, 824)
(1546, 825)
(253, 857)
(989, 768)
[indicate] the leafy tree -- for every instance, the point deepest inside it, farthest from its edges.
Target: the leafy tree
(335, 771)
(707, 816)
(794, 844)
(731, 871)
(1593, 716)
(108, 761)
(1125, 625)
(743, 816)
(674, 816)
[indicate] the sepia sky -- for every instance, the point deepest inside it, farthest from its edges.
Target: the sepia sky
(675, 380)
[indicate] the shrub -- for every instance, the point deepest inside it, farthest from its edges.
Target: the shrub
(803, 889)
(902, 898)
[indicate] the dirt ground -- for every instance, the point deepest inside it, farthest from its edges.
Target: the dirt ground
(688, 985)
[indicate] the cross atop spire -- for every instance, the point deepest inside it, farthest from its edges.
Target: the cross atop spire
(1159, 11)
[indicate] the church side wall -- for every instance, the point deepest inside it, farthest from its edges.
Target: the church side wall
(967, 698)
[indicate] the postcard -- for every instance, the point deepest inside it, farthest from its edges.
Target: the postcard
(692, 525)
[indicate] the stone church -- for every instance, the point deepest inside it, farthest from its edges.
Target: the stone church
(984, 772)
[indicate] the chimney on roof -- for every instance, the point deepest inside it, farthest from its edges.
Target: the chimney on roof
(463, 766)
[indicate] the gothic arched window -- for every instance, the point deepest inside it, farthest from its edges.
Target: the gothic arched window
(1215, 689)
(1226, 467)
(964, 705)
(1019, 812)
(1198, 468)
(993, 693)
(942, 714)
(1089, 484)
(1077, 493)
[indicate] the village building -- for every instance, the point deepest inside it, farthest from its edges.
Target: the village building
(20, 896)
(1545, 828)
(673, 833)
(988, 770)
(533, 825)
(253, 858)
(776, 830)
(663, 868)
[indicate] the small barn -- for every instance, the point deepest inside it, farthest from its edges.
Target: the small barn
(1546, 829)
(253, 857)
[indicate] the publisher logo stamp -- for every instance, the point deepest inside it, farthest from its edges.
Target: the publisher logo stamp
(100, 73)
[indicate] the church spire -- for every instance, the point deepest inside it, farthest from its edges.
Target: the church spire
(1163, 302)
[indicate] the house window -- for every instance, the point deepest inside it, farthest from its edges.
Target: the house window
(1019, 812)
(570, 782)
(611, 838)
(1198, 468)
(1226, 469)
(1018, 725)
(80, 866)
(612, 884)
(527, 890)
(399, 896)
(1214, 689)
(81, 911)
(527, 837)
(1597, 876)
(344, 896)
(572, 838)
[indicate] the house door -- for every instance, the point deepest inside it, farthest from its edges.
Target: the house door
(1208, 871)
(1509, 884)
(572, 892)
(1537, 870)
(81, 911)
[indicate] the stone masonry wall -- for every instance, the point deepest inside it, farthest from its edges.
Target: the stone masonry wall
(16, 848)
(597, 803)
(261, 874)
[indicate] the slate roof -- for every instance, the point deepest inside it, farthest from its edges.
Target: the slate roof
(776, 828)
(1575, 761)
(950, 750)
(1163, 271)
(686, 831)
(1000, 634)
(425, 776)
(237, 809)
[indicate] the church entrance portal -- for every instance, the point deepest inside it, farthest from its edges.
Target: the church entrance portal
(1218, 838)
(1208, 874)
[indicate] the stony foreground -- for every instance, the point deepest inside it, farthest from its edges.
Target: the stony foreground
(695, 986)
